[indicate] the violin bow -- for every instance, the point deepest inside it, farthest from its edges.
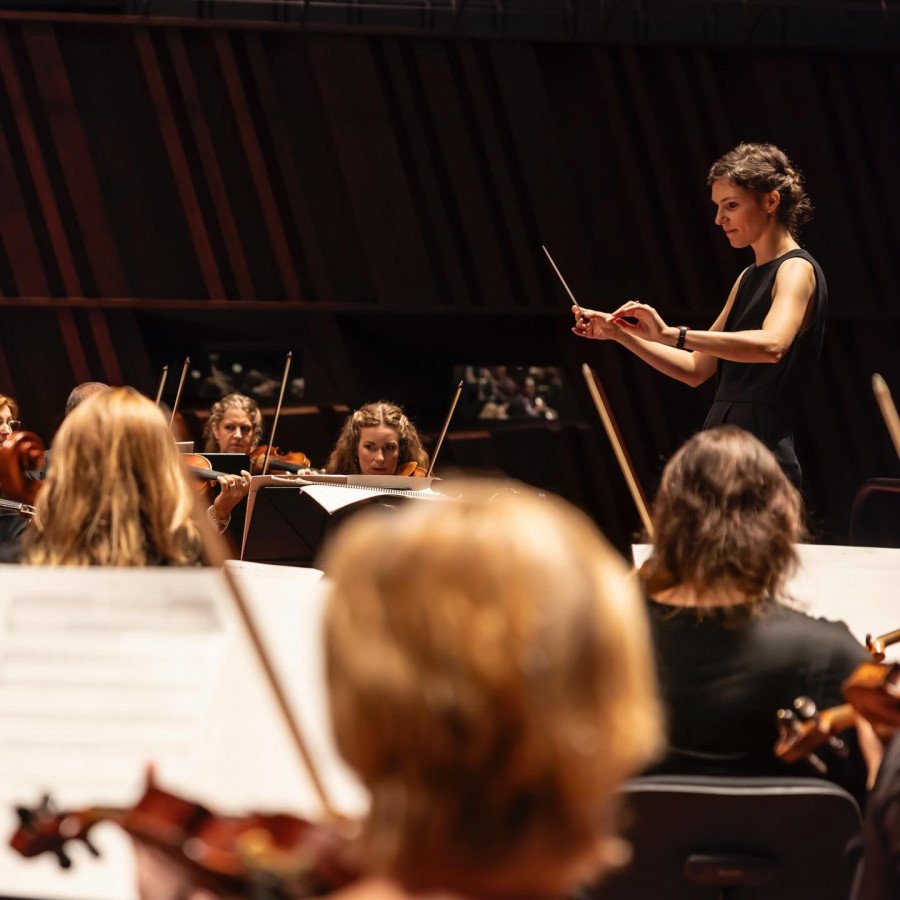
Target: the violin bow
(876, 646)
(162, 384)
(888, 410)
(215, 556)
(598, 395)
(437, 449)
(284, 378)
(184, 371)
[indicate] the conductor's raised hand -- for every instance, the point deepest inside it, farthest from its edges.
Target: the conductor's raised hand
(641, 320)
(591, 323)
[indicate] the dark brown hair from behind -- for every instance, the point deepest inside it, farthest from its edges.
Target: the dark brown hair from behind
(725, 520)
(763, 168)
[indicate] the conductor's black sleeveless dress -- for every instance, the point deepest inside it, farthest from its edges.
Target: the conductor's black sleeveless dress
(762, 398)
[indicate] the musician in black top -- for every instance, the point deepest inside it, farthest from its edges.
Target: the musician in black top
(765, 341)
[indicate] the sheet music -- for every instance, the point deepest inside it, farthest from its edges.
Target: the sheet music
(856, 585)
(332, 498)
(103, 671)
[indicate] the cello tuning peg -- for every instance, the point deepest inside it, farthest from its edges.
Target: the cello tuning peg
(91, 847)
(63, 858)
(839, 746)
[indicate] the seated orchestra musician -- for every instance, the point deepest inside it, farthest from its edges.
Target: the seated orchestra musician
(234, 425)
(115, 492)
(11, 523)
(377, 439)
(491, 708)
(729, 652)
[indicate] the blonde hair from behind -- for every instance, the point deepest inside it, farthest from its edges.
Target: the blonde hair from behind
(115, 493)
(492, 683)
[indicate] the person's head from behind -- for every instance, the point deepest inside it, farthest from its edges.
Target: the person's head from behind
(115, 492)
(753, 184)
(377, 439)
(234, 425)
(82, 391)
(491, 683)
(725, 521)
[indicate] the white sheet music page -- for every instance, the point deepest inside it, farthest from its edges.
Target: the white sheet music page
(104, 671)
(333, 497)
(855, 585)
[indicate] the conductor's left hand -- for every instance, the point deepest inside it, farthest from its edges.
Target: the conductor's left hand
(649, 325)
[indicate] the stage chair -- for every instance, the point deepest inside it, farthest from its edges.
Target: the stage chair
(712, 838)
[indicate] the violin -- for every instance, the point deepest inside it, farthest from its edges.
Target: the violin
(285, 462)
(201, 469)
(257, 855)
(871, 690)
(21, 453)
(412, 469)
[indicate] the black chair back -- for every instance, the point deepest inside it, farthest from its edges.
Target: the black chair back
(711, 838)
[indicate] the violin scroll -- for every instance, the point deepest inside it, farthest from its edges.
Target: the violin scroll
(804, 729)
(233, 854)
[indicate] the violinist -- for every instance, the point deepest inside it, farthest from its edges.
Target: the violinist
(234, 425)
(765, 341)
(729, 650)
(12, 524)
(491, 684)
(115, 493)
(377, 439)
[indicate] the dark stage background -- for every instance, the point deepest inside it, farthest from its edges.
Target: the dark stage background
(376, 201)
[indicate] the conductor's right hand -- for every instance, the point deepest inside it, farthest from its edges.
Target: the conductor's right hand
(591, 323)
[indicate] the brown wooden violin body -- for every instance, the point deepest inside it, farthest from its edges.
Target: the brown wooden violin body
(245, 856)
(283, 462)
(411, 469)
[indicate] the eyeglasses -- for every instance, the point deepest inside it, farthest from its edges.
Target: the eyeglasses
(14, 424)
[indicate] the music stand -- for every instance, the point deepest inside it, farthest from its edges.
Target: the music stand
(287, 525)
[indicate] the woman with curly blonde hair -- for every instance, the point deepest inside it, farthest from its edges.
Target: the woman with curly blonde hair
(234, 425)
(377, 439)
(730, 653)
(491, 683)
(115, 493)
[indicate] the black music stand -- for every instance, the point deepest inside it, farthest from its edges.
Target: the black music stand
(288, 526)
